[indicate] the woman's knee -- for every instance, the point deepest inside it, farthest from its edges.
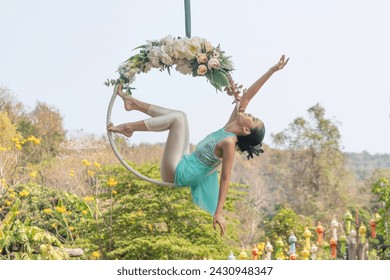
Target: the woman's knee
(180, 116)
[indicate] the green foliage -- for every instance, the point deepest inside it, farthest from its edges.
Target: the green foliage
(36, 221)
(218, 78)
(381, 188)
(8, 130)
(145, 221)
(364, 163)
(26, 242)
(283, 223)
(19, 240)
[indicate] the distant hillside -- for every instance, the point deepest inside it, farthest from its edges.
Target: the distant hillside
(364, 163)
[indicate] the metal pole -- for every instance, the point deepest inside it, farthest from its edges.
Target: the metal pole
(187, 10)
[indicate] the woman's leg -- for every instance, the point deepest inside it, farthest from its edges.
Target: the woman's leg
(163, 119)
(177, 143)
(131, 103)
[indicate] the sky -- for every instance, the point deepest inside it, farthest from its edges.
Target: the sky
(61, 52)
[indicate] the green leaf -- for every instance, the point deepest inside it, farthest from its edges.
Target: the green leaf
(140, 47)
(218, 79)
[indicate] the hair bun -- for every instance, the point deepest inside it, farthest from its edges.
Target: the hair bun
(254, 150)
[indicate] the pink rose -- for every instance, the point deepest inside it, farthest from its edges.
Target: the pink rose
(202, 70)
(201, 58)
(213, 63)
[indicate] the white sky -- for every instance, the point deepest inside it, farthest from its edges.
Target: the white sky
(61, 52)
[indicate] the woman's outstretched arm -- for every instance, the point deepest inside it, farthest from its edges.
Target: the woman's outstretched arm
(228, 149)
(254, 89)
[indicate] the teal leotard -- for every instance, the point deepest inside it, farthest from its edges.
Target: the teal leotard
(198, 170)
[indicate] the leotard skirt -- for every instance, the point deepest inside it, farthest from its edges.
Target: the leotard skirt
(202, 180)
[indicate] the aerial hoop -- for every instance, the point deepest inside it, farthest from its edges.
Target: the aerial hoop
(190, 56)
(119, 156)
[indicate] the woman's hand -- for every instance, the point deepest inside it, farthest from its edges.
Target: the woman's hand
(280, 65)
(220, 220)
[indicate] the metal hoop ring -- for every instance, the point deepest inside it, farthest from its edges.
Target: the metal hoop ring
(119, 156)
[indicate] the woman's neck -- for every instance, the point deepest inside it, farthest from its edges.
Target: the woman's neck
(233, 127)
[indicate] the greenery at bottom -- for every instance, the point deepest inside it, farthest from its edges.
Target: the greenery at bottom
(140, 220)
(123, 218)
(126, 218)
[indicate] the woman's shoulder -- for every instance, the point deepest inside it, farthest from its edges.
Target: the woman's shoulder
(228, 142)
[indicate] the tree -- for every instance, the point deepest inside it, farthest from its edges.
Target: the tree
(10, 105)
(45, 122)
(10, 146)
(310, 166)
(284, 222)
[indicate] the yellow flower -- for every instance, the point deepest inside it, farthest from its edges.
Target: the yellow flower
(47, 211)
(114, 192)
(33, 174)
(150, 227)
(7, 202)
(88, 198)
(97, 165)
(140, 213)
(71, 173)
(12, 195)
(34, 140)
(96, 255)
(15, 140)
(53, 225)
(3, 182)
(18, 146)
(112, 182)
(60, 209)
(91, 173)
(71, 228)
(86, 162)
(24, 193)
(84, 212)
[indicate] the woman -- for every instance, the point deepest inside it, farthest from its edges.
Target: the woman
(242, 132)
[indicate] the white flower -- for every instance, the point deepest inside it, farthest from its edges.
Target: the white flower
(183, 66)
(194, 46)
(154, 57)
(213, 63)
(166, 40)
(165, 58)
(175, 49)
(147, 68)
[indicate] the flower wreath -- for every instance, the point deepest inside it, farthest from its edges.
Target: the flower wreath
(194, 56)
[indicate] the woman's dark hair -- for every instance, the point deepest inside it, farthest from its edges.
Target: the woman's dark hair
(252, 143)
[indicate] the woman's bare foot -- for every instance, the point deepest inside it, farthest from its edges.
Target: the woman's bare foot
(129, 102)
(124, 129)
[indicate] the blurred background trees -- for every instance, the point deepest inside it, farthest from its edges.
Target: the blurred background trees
(70, 190)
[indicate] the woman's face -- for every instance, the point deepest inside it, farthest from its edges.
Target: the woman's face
(248, 120)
